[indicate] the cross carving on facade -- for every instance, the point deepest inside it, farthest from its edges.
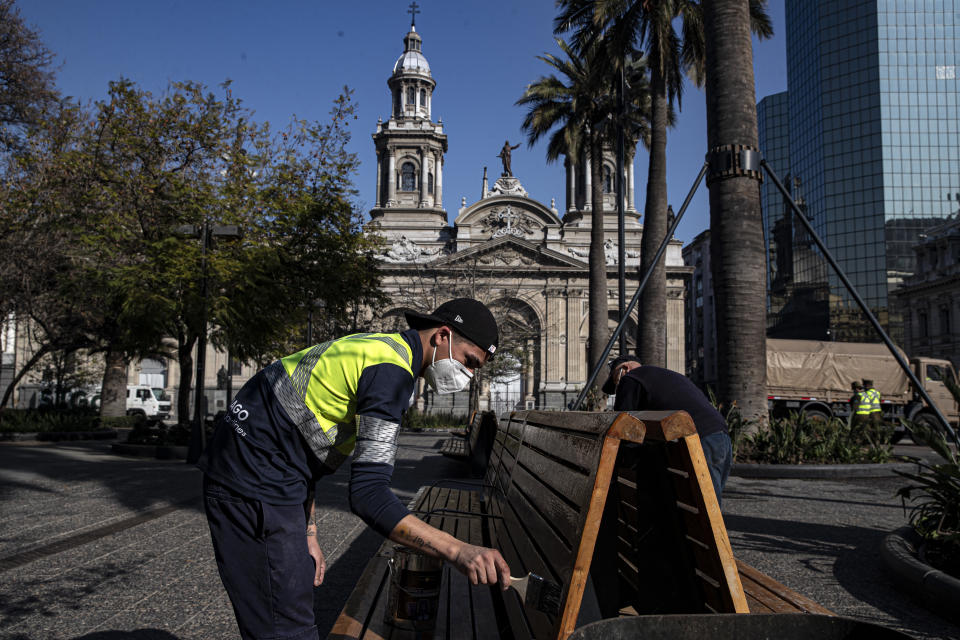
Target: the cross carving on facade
(413, 13)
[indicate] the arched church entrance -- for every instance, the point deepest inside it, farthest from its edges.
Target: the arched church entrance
(514, 375)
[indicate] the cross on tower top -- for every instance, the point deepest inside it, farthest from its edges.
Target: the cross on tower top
(413, 13)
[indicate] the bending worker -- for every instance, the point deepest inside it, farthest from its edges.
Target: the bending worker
(298, 420)
(647, 388)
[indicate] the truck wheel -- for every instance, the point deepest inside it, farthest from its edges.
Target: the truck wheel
(924, 420)
(816, 415)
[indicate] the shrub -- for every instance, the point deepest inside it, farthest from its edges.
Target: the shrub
(177, 435)
(49, 419)
(414, 419)
(934, 492)
(798, 439)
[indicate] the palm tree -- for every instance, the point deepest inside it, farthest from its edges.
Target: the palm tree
(580, 111)
(650, 26)
(736, 246)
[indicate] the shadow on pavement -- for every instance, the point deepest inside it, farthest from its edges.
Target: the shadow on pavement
(852, 554)
(137, 634)
(136, 483)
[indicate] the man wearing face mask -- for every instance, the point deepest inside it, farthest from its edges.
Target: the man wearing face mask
(297, 421)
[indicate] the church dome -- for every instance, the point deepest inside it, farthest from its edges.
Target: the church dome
(411, 60)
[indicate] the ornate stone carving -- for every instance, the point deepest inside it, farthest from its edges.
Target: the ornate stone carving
(404, 249)
(506, 257)
(507, 186)
(507, 222)
(609, 252)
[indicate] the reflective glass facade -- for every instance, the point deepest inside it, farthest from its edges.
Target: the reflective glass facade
(874, 146)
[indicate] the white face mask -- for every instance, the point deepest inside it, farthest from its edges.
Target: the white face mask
(447, 376)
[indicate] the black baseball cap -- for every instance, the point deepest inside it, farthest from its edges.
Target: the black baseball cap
(470, 318)
(610, 386)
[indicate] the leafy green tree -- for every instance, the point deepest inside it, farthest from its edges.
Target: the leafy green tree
(37, 279)
(579, 112)
(27, 91)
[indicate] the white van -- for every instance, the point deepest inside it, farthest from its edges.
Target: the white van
(142, 400)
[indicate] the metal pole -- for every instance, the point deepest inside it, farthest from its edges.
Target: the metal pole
(863, 305)
(621, 232)
(636, 296)
(229, 378)
(198, 436)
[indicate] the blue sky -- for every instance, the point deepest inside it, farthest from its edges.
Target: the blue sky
(291, 57)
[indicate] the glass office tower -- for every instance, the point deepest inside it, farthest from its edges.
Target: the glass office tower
(874, 147)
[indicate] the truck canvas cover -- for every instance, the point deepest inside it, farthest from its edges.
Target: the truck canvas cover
(825, 369)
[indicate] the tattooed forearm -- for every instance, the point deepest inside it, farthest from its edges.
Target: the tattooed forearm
(414, 539)
(311, 513)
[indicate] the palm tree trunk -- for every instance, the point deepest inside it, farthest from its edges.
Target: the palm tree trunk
(598, 302)
(737, 250)
(652, 328)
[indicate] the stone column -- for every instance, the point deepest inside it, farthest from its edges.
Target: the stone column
(571, 183)
(423, 177)
(576, 351)
(588, 196)
(392, 178)
(630, 195)
(379, 176)
(529, 373)
(438, 179)
(553, 369)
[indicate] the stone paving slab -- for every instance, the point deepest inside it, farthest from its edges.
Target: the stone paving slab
(158, 580)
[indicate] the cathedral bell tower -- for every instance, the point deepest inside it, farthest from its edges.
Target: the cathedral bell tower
(410, 148)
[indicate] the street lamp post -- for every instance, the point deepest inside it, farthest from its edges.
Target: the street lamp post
(205, 232)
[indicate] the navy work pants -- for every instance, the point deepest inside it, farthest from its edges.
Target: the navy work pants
(262, 556)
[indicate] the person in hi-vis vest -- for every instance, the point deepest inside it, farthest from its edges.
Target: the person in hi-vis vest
(872, 396)
(297, 421)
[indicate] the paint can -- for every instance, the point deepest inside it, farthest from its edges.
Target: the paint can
(414, 590)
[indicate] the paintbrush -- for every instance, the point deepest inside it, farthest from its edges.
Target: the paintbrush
(538, 593)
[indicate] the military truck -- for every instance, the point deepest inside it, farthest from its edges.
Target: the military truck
(814, 377)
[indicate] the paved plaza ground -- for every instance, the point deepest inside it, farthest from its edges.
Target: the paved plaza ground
(98, 546)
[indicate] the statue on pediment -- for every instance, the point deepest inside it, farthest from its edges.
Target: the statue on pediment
(404, 249)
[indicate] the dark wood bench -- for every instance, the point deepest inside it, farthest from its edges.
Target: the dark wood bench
(541, 503)
(664, 538)
(473, 446)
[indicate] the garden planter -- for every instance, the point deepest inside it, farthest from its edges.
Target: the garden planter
(931, 587)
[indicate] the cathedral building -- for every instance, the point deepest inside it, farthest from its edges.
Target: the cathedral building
(526, 260)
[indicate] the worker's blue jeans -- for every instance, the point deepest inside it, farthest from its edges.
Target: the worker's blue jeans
(264, 564)
(718, 450)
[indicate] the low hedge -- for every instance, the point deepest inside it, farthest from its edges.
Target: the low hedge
(798, 439)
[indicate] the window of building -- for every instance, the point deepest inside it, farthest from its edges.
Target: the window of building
(945, 320)
(430, 183)
(699, 291)
(408, 177)
(607, 179)
(922, 324)
(423, 98)
(411, 97)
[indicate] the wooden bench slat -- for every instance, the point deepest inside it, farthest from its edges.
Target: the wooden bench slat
(357, 612)
(587, 422)
(544, 500)
(580, 451)
(764, 582)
